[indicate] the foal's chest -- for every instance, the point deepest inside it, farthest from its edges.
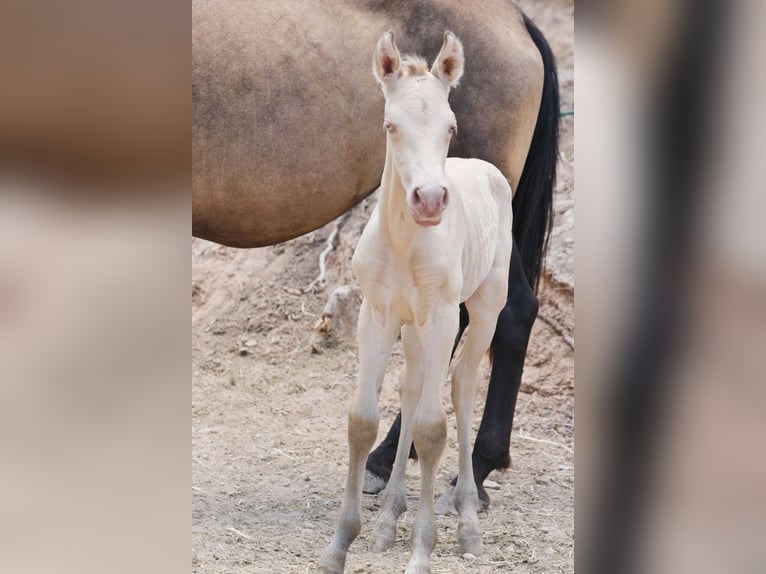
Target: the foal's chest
(403, 287)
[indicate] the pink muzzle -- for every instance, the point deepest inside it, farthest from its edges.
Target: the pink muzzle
(428, 204)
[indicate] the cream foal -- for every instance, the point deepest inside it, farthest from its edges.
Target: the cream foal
(416, 261)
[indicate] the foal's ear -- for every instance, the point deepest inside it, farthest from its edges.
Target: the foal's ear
(448, 66)
(387, 64)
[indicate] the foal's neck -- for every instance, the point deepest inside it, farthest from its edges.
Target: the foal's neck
(397, 224)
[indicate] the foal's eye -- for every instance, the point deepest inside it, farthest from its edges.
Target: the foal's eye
(389, 127)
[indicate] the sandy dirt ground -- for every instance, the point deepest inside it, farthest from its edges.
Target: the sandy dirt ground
(269, 453)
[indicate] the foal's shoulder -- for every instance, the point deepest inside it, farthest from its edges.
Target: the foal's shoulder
(470, 166)
(468, 163)
(473, 170)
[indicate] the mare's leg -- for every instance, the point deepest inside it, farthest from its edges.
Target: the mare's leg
(394, 501)
(483, 306)
(429, 430)
(375, 344)
(381, 460)
(491, 450)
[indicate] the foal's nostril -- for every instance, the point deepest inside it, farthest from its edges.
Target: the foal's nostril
(445, 197)
(416, 196)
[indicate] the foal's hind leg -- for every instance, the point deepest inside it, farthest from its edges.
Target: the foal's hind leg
(483, 307)
(509, 347)
(375, 344)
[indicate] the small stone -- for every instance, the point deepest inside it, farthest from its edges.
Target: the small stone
(251, 343)
(491, 484)
(550, 551)
(545, 529)
(468, 557)
(509, 549)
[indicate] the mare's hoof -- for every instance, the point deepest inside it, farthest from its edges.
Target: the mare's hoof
(445, 504)
(373, 484)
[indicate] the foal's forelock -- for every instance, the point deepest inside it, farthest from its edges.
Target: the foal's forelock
(414, 66)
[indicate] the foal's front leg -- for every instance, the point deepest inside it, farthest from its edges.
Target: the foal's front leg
(375, 342)
(394, 501)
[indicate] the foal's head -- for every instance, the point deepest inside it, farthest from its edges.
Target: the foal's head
(419, 121)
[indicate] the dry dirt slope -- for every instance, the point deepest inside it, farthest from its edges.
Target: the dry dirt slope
(268, 416)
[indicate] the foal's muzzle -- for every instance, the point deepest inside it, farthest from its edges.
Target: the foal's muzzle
(428, 203)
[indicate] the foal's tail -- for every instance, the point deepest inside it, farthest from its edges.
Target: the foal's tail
(533, 201)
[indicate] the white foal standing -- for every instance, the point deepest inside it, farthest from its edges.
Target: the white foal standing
(416, 261)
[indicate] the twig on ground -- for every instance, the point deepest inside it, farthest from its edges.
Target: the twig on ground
(330, 245)
(283, 453)
(242, 534)
(559, 328)
(545, 441)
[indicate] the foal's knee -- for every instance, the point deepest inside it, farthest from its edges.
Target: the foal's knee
(362, 431)
(430, 435)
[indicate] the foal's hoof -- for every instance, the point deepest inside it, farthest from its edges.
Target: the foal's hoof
(381, 543)
(473, 546)
(418, 567)
(373, 484)
(469, 536)
(331, 562)
(383, 535)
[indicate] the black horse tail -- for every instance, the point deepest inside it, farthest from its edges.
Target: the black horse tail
(533, 200)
